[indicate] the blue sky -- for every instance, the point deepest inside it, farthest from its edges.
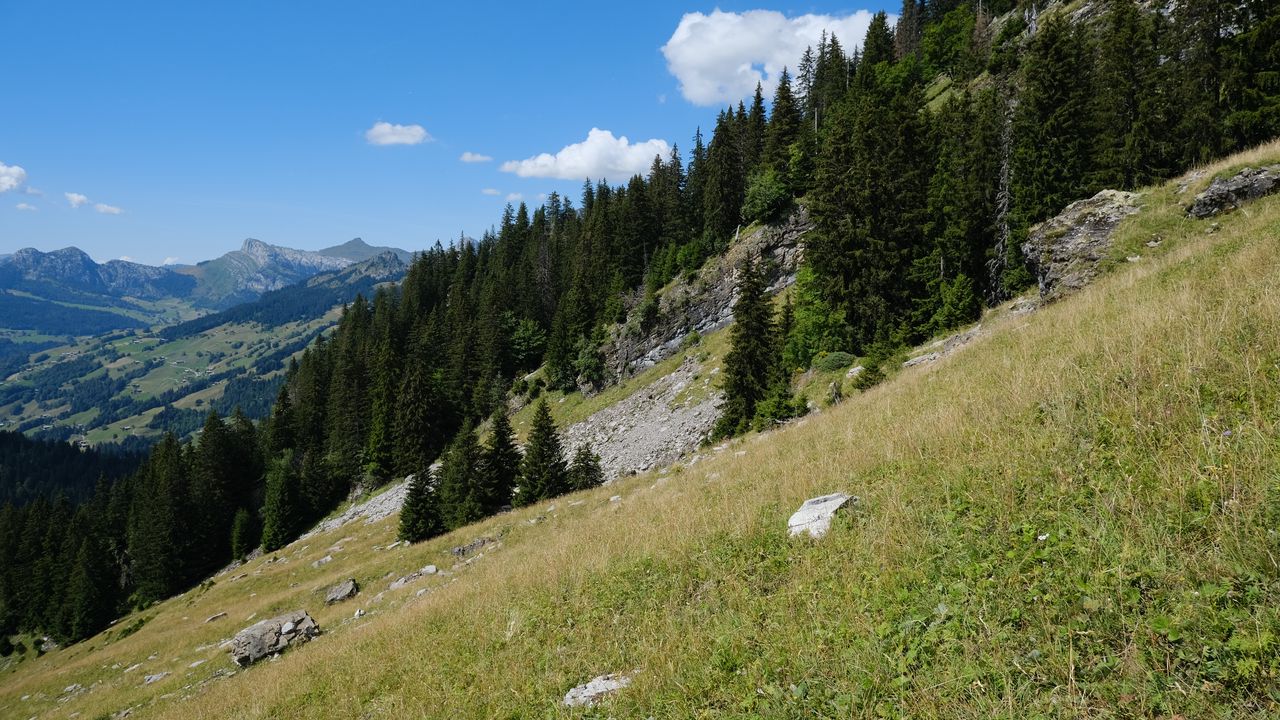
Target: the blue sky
(171, 130)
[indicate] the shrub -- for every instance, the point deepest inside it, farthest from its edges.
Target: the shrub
(767, 198)
(832, 361)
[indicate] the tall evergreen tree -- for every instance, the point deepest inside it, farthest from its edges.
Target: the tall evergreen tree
(783, 132)
(282, 510)
(501, 464)
(543, 472)
(585, 471)
(420, 515)
(460, 488)
(749, 365)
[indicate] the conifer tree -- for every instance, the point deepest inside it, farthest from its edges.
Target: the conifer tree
(244, 534)
(1052, 129)
(281, 509)
(459, 488)
(585, 471)
(878, 46)
(500, 463)
(543, 472)
(90, 599)
(749, 365)
(785, 125)
(420, 514)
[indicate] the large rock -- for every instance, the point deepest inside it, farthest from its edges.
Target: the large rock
(815, 515)
(269, 637)
(342, 591)
(591, 692)
(1065, 250)
(1226, 194)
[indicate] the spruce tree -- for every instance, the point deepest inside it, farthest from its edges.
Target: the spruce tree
(585, 471)
(244, 534)
(785, 125)
(90, 597)
(459, 488)
(281, 511)
(500, 464)
(543, 472)
(749, 365)
(420, 514)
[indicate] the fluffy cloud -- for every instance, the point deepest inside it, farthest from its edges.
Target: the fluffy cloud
(384, 133)
(491, 191)
(515, 197)
(470, 157)
(600, 156)
(11, 177)
(107, 209)
(76, 199)
(719, 58)
(26, 206)
(170, 261)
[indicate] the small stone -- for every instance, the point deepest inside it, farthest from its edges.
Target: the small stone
(589, 693)
(1133, 258)
(921, 359)
(854, 372)
(615, 498)
(214, 617)
(814, 516)
(429, 570)
(154, 678)
(359, 613)
(322, 561)
(197, 663)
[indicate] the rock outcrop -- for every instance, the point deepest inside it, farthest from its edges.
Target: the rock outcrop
(376, 508)
(705, 303)
(652, 427)
(815, 515)
(1066, 250)
(344, 590)
(272, 636)
(1227, 194)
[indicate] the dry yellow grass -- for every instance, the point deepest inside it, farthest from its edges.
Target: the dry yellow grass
(1068, 518)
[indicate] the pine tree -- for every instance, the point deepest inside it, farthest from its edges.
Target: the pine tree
(585, 471)
(1052, 130)
(281, 509)
(1124, 155)
(500, 463)
(244, 534)
(906, 33)
(878, 46)
(420, 514)
(749, 365)
(543, 473)
(90, 598)
(380, 450)
(785, 126)
(460, 492)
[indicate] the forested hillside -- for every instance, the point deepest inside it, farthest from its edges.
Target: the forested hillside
(923, 157)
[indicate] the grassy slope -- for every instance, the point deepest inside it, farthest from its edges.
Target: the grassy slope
(1068, 518)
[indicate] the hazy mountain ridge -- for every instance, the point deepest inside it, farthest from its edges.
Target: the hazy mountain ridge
(70, 287)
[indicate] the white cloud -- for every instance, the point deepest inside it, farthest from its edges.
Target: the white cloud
(491, 191)
(26, 206)
(169, 261)
(514, 197)
(126, 258)
(470, 157)
(384, 133)
(107, 209)
(719, 58)
(600, 156)
(76, 199)
(11, 177)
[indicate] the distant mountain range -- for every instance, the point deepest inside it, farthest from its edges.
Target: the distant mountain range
(65, 292)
